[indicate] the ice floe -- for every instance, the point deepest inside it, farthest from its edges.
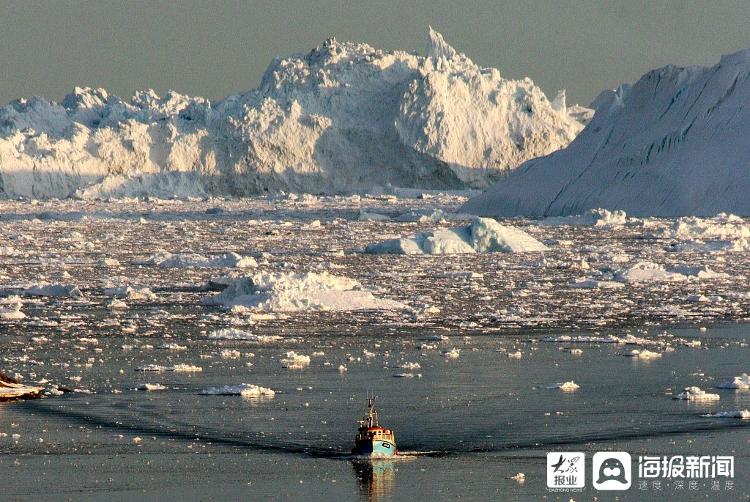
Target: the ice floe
(10, 308)
(239, 334)
(177, 368)
(52, 290)
(245, 390)
(694, 393)
(195, 260)
(595, 217)
(294, 361)
(741, 414)
(289, 291)
(741, 382)
(482, 235)
(643, 354)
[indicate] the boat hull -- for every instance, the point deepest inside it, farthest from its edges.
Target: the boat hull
(377, 448)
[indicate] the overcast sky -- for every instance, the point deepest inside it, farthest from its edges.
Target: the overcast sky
(215, 48)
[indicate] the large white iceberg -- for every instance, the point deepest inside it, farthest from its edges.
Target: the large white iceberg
(673, 144)
(342, 117)
(482, 235)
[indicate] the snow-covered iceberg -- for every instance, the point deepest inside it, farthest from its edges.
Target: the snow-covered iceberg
(343, 117)
(482, 235)
(673, 144)
(310, 291)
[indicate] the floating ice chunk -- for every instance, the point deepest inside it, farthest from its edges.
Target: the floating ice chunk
(482, 235)
(515, 355)
(519, 478)
(55, 290)
(245, 390)
(151, 387)
(591, 283)
(408, 375)
(410, 366)
(643, 354)
(117, 304)
(741, 414)
(134, 293)
(178, 368)
(696, 394)
(367, 216)
(239, 334)
(645, 271)
(343, 369)
(454, 353)
(569, 386)
(294, 361)
(230, 354)
(741, 382)
(286, 291)
(595, 217)
(194, 260)
(10, 308)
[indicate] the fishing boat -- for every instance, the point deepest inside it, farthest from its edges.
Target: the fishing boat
(372, 440)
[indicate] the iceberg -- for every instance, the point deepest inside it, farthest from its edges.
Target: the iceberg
(343, 117)
(670, 145)
(482, 235)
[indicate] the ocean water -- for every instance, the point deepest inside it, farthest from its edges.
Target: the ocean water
(464, 427)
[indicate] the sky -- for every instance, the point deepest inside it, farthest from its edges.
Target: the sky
(216, 48)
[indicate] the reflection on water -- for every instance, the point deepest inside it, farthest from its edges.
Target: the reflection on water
(376, 478)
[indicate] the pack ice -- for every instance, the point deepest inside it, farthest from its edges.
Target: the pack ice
(673, 144)
(343, 117)
(482, 235)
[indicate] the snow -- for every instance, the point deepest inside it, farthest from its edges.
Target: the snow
(245, 390)
(670, 145)
(343, 117)
(741, 382)
(696, 394)
(482, 235)
(195, 260)
(289, 291)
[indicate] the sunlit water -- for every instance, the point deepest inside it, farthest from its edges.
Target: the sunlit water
(466, 425)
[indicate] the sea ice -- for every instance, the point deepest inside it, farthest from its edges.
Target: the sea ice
(288, 291)
(482, 235)
(194, 260)
(741, 382)
(741, 414)
(696, 394)
(294, 361)
(245, 390)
